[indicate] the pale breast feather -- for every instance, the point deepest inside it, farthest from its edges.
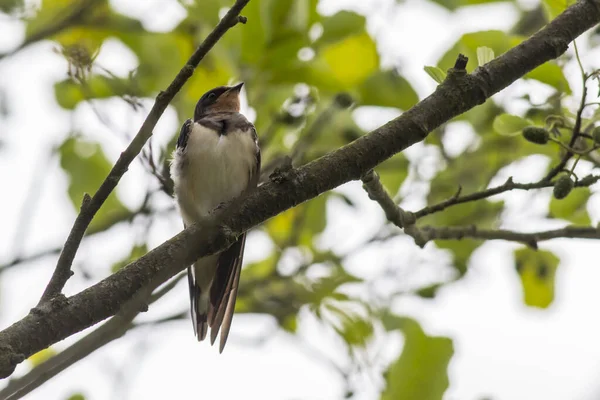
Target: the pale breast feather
(216, 167)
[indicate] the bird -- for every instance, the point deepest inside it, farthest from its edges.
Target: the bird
(216, 160)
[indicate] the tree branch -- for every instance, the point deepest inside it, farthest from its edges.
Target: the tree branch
(507, 186)
(288, 188)
(423, 234)
(530, 239)
(91, 205)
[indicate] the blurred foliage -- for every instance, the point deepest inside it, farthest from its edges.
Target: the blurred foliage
(87, 166)
(537, 270)
(420, 372)
(298, 65)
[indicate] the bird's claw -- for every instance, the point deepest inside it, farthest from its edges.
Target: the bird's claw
(222, 205)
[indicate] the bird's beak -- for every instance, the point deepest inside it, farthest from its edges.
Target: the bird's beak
(237, 88)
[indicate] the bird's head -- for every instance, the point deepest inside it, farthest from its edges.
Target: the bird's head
(219, 99)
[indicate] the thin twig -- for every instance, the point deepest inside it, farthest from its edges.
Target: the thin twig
(530, 239)
(577, 128)
(91, 205)
(403, 219)
(507, 186)
(422, 234)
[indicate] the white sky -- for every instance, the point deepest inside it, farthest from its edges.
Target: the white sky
(503, 349)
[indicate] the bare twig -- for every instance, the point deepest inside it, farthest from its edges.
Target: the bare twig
(91, 205)
(530, 239)
(423, 234)
(403, 219)
(407, 220)
(505, 187)
(29, 258)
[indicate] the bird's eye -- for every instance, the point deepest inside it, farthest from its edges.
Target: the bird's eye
(211, 96)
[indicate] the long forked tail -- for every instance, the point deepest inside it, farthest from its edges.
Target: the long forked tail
(214, 307)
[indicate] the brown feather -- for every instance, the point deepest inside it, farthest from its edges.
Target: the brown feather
(228, 317)
(227, 102)
(221, 307)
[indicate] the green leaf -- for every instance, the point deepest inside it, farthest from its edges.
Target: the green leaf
(355, 330)
(136, 252)
(461, 251)
(281, 17)
(572, 208)
(87, 167)
(555, 7)
(69, 93)
(326, 286)
(11, 6)
(301, 223)
(42, 356)
(76, 396)
(484, 55)
(537, 270)
(351, 60)
(436, 73)
(341, 25)
(387, 89)
(290, 323)
(510, 125)
(421, 371)
(49, 12)
(551, 74)
(452, 5)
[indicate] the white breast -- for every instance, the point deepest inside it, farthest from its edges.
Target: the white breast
(213, 169)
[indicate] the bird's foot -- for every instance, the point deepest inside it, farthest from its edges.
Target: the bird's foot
(223, 205)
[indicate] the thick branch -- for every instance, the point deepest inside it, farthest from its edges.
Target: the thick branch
(289, 188)
(90, 206)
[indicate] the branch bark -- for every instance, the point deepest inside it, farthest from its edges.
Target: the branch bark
(290, 187)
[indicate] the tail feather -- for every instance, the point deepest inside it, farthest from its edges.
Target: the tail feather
(213, 303)
(202, 329)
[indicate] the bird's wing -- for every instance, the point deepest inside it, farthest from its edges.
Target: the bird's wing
(223, 291)
(182, 140)
(184, 134)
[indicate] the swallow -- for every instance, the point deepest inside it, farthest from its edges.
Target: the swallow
(216, 160)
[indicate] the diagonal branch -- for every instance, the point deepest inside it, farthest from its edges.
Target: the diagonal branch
(91, 205)
(288, 188)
